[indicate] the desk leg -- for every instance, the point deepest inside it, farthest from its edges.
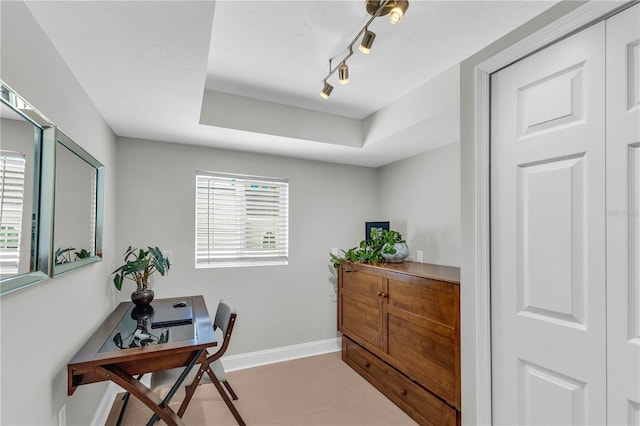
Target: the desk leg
(176, 386)
(125, 402)
(140, 391)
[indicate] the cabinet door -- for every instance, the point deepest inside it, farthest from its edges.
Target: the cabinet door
(362, 306)
(422, 318)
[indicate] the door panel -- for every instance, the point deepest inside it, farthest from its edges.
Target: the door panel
(362, 306)
(554, 101)
(422, 317)
(551, 282)
(548, 235)
(623, 217)
(550, 397)
(424, 298)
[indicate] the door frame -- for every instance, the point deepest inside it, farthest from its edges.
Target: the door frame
(476, 321)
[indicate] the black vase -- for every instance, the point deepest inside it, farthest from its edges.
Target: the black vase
(142, 297)
(142, 312)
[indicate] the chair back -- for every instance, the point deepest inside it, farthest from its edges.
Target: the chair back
(225, 320)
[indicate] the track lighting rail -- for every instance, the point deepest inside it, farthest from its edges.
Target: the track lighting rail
(384, 8)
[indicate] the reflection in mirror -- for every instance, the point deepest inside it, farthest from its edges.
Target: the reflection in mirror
(77, 189)
(21, 128)
(75, 208)
(16, 193)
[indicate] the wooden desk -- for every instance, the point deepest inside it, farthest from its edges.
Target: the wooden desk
(102, 358)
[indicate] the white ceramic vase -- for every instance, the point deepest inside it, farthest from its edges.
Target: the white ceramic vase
(402, 251)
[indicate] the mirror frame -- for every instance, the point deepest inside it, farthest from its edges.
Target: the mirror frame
(51, 138)
(42, 233)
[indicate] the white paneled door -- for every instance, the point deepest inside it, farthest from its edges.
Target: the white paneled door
(623, 217)
(565, 231)
(548, 276)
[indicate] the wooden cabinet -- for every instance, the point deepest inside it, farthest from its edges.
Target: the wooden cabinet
(401, 331)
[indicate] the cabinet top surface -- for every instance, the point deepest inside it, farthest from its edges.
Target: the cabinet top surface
(426, 270)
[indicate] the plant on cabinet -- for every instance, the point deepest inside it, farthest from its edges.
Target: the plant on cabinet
(382, 246)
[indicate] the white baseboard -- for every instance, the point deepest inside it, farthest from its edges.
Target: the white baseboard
(286, 353)
(233, 363)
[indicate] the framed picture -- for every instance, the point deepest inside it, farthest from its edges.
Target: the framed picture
(374, 225)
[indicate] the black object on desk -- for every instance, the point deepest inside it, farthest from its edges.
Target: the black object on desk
(172, 317)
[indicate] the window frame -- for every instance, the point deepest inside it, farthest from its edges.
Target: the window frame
(246, 213)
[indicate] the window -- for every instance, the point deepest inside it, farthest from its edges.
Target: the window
(12, 174)
(241, 220)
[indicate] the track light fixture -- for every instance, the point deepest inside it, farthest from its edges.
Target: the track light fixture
(394, 8)
(398, 10)
(343, 73)
(326, 90)
(367, 41)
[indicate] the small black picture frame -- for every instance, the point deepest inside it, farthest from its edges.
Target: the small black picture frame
(374, 225)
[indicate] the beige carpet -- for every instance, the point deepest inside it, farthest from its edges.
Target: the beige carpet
(319, 390)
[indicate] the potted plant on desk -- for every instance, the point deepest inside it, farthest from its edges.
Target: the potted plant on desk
(139, 266)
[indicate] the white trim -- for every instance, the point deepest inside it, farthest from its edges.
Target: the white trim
(104, 408)
(574, 21)
(483, 248)
(232, 363)
(561, 28)
(286, 353)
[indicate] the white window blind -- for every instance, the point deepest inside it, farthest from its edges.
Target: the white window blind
(241, 220)
(12, 174)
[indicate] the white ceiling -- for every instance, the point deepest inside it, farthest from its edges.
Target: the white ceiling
(146, 65)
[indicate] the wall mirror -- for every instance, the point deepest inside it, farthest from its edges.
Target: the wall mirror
(76, 185)
(22, 236)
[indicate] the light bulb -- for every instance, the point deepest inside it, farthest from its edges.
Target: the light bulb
(398, 11)
(396, 14)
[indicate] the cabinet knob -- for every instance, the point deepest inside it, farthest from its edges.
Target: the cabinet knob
(404, 392)
(385, 295)
(380, 293)
(367, 365)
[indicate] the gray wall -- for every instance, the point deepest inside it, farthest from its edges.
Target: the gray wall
(278, 305)
(44, 325)
(420, 196)
(329, 203)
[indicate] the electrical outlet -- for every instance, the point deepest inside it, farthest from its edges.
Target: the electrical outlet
(419, 256)
(62, 416)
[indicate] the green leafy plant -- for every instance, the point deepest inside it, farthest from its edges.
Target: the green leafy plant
(388, 239)
(63, 255)
(140, 265)
(370, 251)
